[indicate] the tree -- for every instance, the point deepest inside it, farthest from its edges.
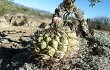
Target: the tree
(93, 2)
(69, 6)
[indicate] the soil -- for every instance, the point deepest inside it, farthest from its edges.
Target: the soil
(88, 60)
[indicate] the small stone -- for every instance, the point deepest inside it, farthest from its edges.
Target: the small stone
(25, 38)
(4, 40)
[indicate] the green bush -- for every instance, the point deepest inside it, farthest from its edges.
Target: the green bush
(107, 28)
(99, 23)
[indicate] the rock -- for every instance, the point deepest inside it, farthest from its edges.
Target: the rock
(20, 20)
(17, 21)
(3, 22)
(2, 34)
(16, 45)
(4, 40)
(32, 21)
(25, 38)
(28, 66)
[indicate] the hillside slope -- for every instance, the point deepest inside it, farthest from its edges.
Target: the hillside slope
(7, 6)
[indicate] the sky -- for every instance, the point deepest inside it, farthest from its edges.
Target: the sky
(101, 9)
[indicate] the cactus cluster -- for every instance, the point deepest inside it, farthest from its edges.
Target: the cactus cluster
(56, 43)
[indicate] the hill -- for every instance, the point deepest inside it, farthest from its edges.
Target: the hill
(34, 9)
(7, 6)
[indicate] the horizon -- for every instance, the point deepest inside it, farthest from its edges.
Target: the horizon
(101, 9)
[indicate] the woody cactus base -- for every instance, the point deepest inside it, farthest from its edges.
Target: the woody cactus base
(56, 43)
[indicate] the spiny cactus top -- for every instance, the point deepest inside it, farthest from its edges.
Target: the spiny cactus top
(56, 43)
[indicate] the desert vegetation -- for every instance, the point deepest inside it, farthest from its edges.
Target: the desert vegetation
(99, 23)
(7, 6)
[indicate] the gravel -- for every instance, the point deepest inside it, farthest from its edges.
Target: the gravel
(94, 54)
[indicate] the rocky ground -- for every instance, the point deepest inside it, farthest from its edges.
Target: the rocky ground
(16, 50)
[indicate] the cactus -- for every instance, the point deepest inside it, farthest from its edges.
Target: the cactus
(62, 48)
(42, 45)
(51, 51)
(56, 43)
(53, 43)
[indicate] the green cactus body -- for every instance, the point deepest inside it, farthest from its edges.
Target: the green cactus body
(39, 39)
(64, 40)
(51, 51)
(67, 30)
(42, 45)
(46, 35)
(56, 44)
(47, 39)
(59, 54)
(62, 48)
(72, 35)
(57, 38)
(53, 43)
(58, 34)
